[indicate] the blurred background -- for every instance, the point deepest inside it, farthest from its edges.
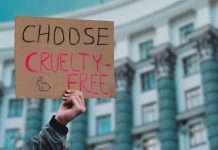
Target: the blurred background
(166, 73)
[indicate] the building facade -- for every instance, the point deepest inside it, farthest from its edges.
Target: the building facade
(166, 68)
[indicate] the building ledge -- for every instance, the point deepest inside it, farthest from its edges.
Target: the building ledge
(200, 32)
(146, 128)
(120, 62)
(146, 62)
(183, 116)
(100, 139)
(160, 49)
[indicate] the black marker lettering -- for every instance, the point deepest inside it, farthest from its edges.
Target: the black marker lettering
(62, 31)
(23, 36)
(46, 33)
(91, 37)
(78, 36)
(99, 36)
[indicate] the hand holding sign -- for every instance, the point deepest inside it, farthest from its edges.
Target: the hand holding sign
(55, 54)
(73, 104)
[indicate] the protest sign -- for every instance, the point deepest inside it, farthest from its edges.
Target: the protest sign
(52, 55)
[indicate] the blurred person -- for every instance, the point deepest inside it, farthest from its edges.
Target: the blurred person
(53, 135)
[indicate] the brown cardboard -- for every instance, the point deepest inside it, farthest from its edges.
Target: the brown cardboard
(52, 55)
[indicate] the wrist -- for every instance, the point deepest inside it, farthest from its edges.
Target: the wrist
(61, 121)
(57, 126)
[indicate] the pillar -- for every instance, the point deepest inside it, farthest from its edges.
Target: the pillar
(165, 63)
(123, 120)
(207, 43)
(78, 132)
(1, 97)
(34, 117)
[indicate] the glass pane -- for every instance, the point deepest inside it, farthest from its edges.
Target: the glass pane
(149, 113)
(197, 134)
(148, 81)
(193, 98)
(185, 31)
(103, 125)
(10, 138)
(15, 107)
(145, 48)
(13, 78)
(191, 65)
(150, 144)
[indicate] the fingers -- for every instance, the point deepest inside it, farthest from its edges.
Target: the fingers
(73, 91)
(81, 102)
(70, 93)
(74, 95)
(78, 107)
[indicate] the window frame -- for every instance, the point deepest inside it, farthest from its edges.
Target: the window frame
(202, 132)
(200, 103)
(155, 113)
(142, 79)
(185, 65)
(13, 78)
(5, 139)
(142, 44)
(152, 143)
(182, 37)
(13, 106)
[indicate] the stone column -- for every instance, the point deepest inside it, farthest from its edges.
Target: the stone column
(78, 131)
(207, 43)
(34, 117)
(123, 121)
(165, 63)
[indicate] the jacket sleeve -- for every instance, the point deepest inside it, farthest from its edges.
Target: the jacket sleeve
(51, 137)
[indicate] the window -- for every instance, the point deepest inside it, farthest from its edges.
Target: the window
(148, 81)
(197, 134)
(185, 31)
(190, 65)
(150, 144)
(15, 107)
(145, 48)
(11, 136)
(103, 100)
(55, 104)
(149, 113)
(13, 78)
(103, 125)
(193, 98)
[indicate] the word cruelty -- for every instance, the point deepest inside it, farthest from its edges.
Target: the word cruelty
(63, 54)
(49, 63)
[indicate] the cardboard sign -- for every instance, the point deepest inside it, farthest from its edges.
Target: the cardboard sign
(52, 55)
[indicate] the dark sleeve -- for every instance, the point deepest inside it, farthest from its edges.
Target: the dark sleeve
(51, 137)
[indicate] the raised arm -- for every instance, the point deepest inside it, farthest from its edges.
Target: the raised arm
(53, 135)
